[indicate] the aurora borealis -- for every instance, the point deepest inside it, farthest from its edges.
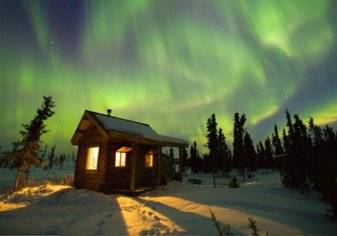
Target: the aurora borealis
(169, 63)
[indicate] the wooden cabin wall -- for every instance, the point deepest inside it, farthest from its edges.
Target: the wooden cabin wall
(91, 179)
(117, 177)
(145, 176)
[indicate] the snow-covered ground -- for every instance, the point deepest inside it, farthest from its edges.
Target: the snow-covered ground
(179, 208)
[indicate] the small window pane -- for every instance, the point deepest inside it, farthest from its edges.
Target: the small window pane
(92, 158)
(123, 156)
(149, 159)
(120, 159)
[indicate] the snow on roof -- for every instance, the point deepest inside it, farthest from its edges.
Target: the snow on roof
(113, 123)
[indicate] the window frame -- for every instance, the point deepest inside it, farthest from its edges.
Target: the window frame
(120, 158)
(90, 157)
(122, 150)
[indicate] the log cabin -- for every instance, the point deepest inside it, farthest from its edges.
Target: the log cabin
(119, 155)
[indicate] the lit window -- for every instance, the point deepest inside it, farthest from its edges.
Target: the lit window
(120, 159)
(92, 158)
(149, 159)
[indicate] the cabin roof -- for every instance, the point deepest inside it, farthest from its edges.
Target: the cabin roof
(124, 126)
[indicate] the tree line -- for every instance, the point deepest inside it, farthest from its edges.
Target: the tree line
(48, 158)
(243, 156)
(305, 155)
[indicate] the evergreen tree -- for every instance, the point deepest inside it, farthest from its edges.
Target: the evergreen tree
(224, 153)
(296, 165)
(250, 153)
(286, 142)
(302, 151)
(195, 158)
(170, 163)
(212, 143)
(62, 158)
(277, 142)
(258, 155)
(238, 144)
(184, 159)
(326, 178)
(268, 154)
(316, 133)
(51, 158)
(289, 124)
(26, 153)
(310, 159)
(287, 167)
(261, 155)
(206, 166)
(8, 155)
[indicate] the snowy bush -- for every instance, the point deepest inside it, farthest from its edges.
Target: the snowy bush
(234, 183)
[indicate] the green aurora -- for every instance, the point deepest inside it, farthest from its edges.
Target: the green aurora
(168, 63)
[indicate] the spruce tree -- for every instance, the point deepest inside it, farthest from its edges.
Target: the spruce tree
(195, 158)
(316, 133)
(184, 159)
(51, 158)
(238, 144)
(296, 164)
(212, 143)
(258, 155)
(316, 157)
(250, 153)
(261, 155)
(289, 124)
(268, 154)
(287, 166)
(223, 153)
(327, 171)
(277, 142)
(286, 142)
(62, 158)
(172, 170)
(26, 153)
(311, 160)
(302, 150)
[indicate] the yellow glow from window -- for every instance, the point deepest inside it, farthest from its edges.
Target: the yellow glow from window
(136, 225)
(120, 160)
(149, 159)
(92, 158)
(124, 149)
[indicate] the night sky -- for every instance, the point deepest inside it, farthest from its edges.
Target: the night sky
(168, 63)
